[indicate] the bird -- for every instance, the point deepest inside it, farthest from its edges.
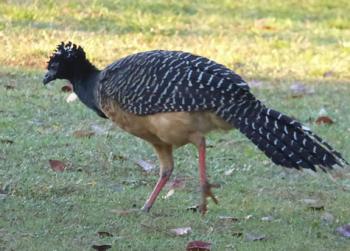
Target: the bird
(174, 98)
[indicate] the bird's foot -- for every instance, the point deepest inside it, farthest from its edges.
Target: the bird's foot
(145, 208)
(206, 192)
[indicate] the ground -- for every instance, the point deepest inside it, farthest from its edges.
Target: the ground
(272, 44)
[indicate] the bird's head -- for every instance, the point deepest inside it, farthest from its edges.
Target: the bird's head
(64, 62)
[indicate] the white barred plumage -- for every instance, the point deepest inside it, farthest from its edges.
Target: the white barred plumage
(170, 81)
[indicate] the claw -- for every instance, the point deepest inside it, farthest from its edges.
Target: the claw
(145, 208)
(206, 192)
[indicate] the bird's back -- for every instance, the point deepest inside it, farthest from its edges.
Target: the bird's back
(168, 81)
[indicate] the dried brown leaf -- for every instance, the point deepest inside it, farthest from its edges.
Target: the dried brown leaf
(57, 165)
(67, 88)
(198, 246)
(324, 120)
(83, 134)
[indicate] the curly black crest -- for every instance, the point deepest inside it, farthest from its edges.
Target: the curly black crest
(67, 52)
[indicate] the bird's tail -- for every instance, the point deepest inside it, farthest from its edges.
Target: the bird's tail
(285, 141)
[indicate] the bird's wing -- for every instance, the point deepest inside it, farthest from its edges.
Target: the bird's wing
(167, 81)
(163, 81)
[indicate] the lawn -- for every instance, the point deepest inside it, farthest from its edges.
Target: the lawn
(273, 44)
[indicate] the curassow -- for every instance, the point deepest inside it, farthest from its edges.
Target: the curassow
(172, 98)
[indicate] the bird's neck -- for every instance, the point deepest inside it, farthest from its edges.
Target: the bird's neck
(85, 81)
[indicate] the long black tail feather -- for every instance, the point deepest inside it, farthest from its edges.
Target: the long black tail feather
(285, 141)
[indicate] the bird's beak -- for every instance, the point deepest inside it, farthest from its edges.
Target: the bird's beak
(49, 76)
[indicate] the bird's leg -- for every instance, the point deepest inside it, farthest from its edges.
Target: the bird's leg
(165, 157)
(204, 183)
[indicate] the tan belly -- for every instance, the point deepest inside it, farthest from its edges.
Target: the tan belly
(174, 128)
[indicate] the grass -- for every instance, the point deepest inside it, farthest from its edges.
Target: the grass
(276, 43)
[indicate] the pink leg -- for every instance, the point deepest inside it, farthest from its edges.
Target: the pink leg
(165, 156)
(205, 185)
(159, 186)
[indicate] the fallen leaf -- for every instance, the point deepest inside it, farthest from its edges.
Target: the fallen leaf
(198, 246)
(298, 90)
(228, 218)
(101, 247)
(83, 134)
(71, 97)
(145, 165)
(255, 237)
(324, 120)
(57, 165)
(104, 234)
(344, 230)
(6, 141)
(181, 231)
(67, 88)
